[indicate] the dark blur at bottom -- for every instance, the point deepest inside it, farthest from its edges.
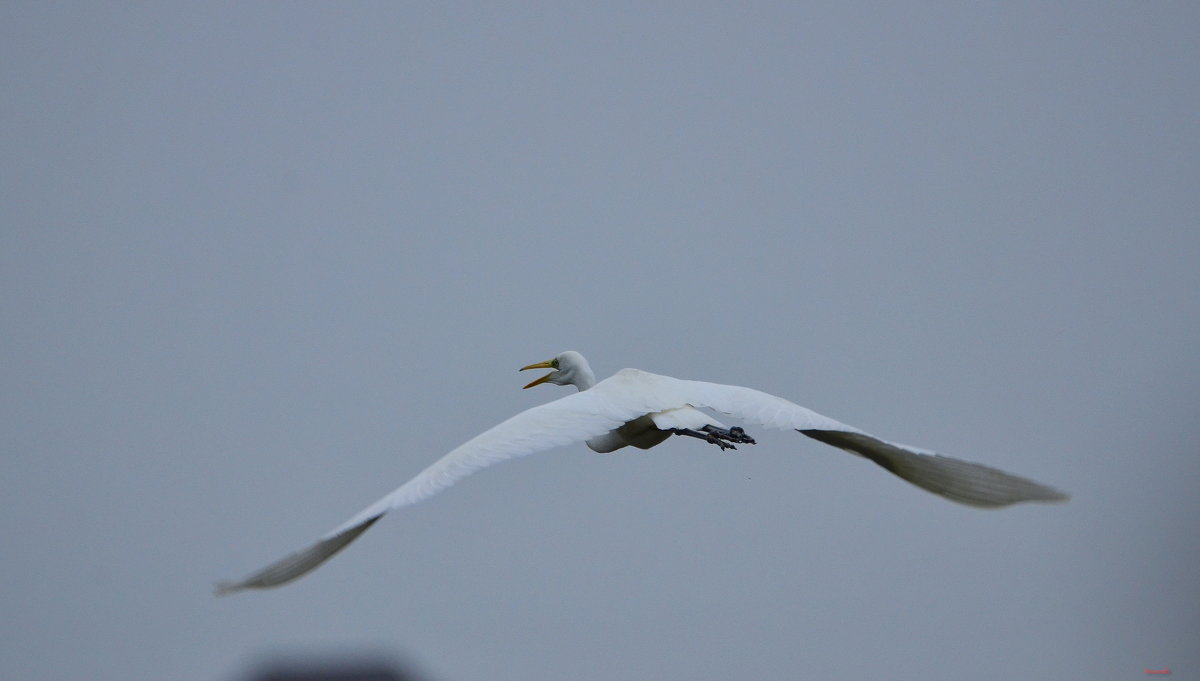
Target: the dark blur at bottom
(327, 669)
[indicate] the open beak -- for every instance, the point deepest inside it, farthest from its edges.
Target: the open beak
(548, 364)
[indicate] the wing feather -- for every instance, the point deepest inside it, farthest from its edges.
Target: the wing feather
(973, 484)
(570, 419)
(965, 482)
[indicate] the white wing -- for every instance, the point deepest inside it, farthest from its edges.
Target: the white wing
(570, 419)
(631, 393)
(967, 483)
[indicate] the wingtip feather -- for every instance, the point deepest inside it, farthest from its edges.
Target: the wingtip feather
(296, 565)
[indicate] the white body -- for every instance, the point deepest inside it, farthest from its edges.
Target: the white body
(637, 408)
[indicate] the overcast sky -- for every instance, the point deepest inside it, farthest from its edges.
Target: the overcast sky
(260, 263)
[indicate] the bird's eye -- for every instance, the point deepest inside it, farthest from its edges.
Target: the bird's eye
(554, 363)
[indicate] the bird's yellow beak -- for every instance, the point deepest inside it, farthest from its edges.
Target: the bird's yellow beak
(548, 364)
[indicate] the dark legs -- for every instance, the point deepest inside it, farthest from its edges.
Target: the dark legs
(721, 437)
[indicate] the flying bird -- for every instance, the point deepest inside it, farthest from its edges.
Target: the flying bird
(641, 409)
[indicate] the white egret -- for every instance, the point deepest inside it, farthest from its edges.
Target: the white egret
(642, 409)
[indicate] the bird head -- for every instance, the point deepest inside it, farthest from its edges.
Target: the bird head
(569, 368)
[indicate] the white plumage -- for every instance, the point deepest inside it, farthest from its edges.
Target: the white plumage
(642, 409)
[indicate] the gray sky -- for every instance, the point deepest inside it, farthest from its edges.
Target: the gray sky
(263, 262)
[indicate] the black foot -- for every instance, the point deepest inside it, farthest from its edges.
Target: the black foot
(734, 434)
(718, 436)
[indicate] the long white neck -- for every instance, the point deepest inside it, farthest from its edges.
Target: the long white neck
(583, 378)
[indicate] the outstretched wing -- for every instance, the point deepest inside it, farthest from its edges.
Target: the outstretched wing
(570, 419)
(967, 483)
